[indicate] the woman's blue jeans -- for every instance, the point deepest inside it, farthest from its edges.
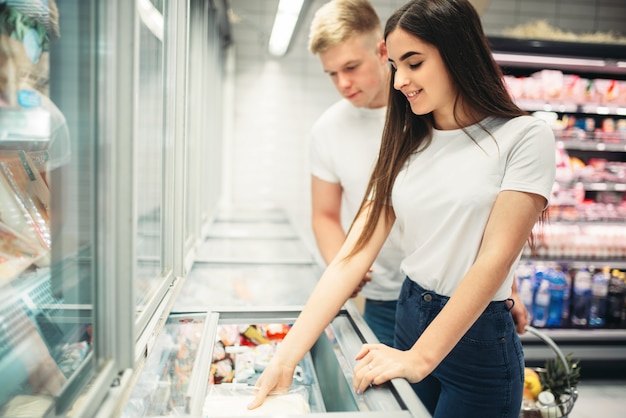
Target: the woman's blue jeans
(483, 376)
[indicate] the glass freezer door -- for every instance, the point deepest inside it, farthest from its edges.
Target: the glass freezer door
(47, 204)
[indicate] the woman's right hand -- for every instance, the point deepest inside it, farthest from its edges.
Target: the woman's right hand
(276, 379)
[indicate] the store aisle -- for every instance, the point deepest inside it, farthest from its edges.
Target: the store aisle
(600, 399)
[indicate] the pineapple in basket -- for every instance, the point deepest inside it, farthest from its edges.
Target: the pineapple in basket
(557, 380)
(554, 386)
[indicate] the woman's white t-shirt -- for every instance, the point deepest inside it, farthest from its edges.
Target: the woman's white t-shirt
(443, 196)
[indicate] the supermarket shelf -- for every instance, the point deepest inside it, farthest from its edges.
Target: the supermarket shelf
(563, 55)
(591, 145)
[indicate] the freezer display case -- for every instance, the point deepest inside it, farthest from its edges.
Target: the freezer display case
(47, 205)
(205, 364)
(243, 214)
(253, 250)
(261, 229)
(215, 285)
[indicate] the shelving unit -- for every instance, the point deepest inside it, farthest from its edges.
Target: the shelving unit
(520, 58)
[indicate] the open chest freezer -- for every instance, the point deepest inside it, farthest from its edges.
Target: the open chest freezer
(205, 364)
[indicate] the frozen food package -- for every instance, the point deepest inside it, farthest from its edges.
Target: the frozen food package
(26, 28)
(16, 253)
(26, 181)
(29, 188)
(550, 83)
(227, 400)
(21, 209)
(36, 187)
(606, 90)
(40, 161)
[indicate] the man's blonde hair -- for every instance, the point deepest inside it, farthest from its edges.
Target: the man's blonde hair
(340, 20)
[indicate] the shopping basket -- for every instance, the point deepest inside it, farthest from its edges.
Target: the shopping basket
(563, 406)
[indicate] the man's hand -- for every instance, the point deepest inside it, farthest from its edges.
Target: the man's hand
(367, 278)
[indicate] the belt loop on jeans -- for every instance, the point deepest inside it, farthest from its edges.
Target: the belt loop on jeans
(508, 309)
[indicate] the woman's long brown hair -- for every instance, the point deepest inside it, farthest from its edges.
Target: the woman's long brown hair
(454, 28)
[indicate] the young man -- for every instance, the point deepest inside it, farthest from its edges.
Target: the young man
(346, 35)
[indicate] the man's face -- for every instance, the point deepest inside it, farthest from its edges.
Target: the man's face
(358, 69)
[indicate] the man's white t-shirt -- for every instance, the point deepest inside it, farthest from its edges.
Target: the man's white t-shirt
(344, 146)
(443, 196)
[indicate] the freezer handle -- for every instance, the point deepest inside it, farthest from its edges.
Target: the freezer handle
(199, 378)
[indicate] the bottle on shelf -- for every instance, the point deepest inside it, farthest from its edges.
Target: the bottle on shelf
(616, 299)
(557, 289)
(542, 302)
(581, 298)
(567, 296)
(599, 293)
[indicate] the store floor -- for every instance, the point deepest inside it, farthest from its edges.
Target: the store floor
(600, 399)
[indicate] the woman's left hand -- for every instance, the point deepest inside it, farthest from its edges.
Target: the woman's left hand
(380, 363)
(519, 313)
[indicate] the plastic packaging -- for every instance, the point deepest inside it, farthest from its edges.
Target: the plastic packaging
(227, 400)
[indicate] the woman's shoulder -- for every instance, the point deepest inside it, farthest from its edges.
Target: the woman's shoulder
(520, 121)
(525, 125)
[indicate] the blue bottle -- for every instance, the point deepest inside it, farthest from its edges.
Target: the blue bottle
(542, 303)
(538, 271)
(599, 293)
(581, 298)
(567, 297)
(557, 288)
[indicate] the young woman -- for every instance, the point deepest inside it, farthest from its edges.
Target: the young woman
(466, 175)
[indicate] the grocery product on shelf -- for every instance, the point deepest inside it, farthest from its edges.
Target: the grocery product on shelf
(542, 301)
(599, 293)
(558, 289)
(572, 296)
(581, 298)
(616, 300)
(17, 253)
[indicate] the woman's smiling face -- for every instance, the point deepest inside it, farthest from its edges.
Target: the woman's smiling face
(422, 76)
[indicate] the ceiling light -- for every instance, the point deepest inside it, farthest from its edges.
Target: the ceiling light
(287, 16)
